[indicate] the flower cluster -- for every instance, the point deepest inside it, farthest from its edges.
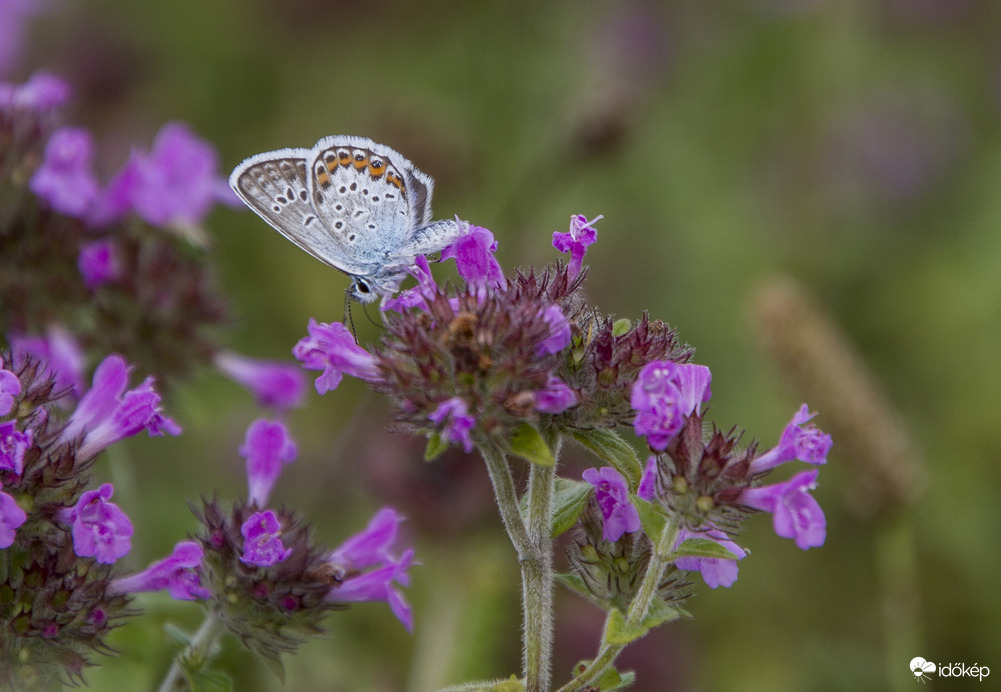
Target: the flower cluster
(475, 364)
(89, 269)
(259, 571)
(61, 541)
(705, 481)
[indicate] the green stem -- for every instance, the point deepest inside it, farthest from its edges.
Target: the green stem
(639, 608)
(507, 499)
(196, 655)
(537, 579)
(533, 543)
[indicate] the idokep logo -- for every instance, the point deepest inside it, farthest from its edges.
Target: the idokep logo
(922, 670)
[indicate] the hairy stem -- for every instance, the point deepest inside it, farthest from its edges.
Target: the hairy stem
(196, 655)
(537, 576)
(533, 543)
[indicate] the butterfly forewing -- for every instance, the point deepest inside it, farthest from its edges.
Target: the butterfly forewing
(274, 185)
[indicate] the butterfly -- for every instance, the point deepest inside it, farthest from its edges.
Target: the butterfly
(352, 203)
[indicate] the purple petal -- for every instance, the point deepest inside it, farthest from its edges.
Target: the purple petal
(13, 444)
(98, 263)
(179, 573)
(11, 519)
(370, 546)
(274, 383)
(100, 528)
(454, 414)
(555, 398)
(474, 258)
(798, 441)
(612, 496)
(65, 180)
(332, 349)
(267, 448)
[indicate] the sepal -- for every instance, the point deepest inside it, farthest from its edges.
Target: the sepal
(703, 548)
(435, 446)
(609, 446)
(527, 443)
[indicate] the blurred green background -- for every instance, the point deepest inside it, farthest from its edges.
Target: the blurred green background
(853, 146)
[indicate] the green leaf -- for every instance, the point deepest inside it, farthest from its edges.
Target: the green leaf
(621, 326)
(209, 681)
(177, 634)
(574, 583)
(702, 547)
(609, 446)
(660, 612)
(527, 443)
(569, 502)
(436, 445)
(619, 633)
(651, 516)
(612, 679)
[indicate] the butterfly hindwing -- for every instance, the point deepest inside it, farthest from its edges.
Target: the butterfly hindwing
(359, 188)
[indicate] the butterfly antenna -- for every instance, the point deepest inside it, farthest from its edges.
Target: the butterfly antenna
(365, 310)
(348, 317)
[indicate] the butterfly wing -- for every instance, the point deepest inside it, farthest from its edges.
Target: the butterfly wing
(360, 189)
(275, 185)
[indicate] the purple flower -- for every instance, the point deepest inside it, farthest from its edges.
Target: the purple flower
(10, 387)
(65, 180)
(267, 447)
(367, 549)
(11, 518)
(715, 571)
(262, 546)
(43, 92)
(419, 294)
(13, 445)
(559, 330)
(332, 349)
(454, 414)
(576, 240)
(612, 495)
(664, 394)
(179, 573)
(556, 397)
(474, 258)
(175, 184)
(105, 416)
(63, 356)
(795, 513)
(100, 529)
(803, 442)
(98, 263)
(274, 383)
(647, 489)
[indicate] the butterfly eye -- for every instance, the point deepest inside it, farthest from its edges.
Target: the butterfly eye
(362, 287)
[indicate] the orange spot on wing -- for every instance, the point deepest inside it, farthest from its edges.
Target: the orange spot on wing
(360, 162)
(376, 168)
(323, 178)
(394, 179)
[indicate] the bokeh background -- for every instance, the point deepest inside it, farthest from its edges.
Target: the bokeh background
(852, 147)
